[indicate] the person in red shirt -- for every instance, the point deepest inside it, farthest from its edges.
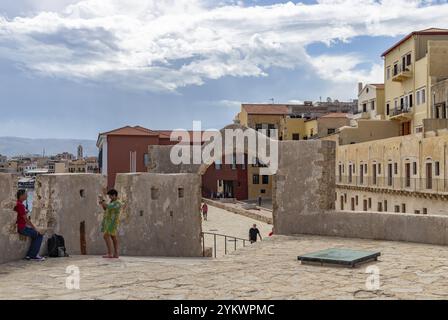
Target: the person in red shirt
(204, 211)
(26, 228)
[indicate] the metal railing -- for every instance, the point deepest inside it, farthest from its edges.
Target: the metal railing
(434, 185)
(400, 69)
(401, 110)
(226, 238)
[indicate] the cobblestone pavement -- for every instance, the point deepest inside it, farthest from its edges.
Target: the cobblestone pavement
(266, 270)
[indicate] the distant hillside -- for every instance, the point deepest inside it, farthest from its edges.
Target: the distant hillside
(12, 146)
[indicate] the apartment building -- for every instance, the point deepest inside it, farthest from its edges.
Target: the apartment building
(371, 101)
(83, 165)
(400, 174)
(226, 180)
(299, 128)
(440, 107)
(264, 117)
(293, 122)
(55, 166)
(125, 150)
(412, 67)
(331, 123)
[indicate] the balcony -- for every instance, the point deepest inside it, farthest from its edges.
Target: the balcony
(402, 113)
(421, 185)
(401, 73)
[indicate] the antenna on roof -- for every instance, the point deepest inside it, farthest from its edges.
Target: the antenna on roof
(272, 100)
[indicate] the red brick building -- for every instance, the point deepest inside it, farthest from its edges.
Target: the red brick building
(227, 180)
(125, 150)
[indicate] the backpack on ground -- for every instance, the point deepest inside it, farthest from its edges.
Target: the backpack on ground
(56, 247)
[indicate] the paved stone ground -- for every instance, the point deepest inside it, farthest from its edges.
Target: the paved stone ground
(260, 214)
(227, 223)
(266, 270)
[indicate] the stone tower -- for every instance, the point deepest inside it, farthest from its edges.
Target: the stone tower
(80, 152)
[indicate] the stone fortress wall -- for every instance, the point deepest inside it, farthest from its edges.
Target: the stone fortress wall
(67, 204)
(304, 199)
(161, 208)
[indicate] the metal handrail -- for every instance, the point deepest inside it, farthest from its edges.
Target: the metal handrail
(401, 110)
(215, 236)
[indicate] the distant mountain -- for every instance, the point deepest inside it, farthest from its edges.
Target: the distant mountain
(13, 146)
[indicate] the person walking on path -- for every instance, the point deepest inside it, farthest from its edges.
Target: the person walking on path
(204, 210)
(254, 233)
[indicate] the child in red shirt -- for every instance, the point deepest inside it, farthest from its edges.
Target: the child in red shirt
(26, 228)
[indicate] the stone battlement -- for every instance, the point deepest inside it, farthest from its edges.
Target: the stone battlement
(162, 224)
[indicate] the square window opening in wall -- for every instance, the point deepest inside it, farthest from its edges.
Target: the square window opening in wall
(180, 192)
(425, 210)
(154, 193)
(82, 193)
(397, 209)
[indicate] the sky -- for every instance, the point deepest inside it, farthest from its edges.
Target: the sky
(74, 68)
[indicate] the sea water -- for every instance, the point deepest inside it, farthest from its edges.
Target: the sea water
(29, 201)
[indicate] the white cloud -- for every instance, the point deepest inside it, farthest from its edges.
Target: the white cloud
(164, 45)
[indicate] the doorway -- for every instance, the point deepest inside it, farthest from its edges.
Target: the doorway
(429, 175)
(408, 175)
(406, 128)
(228, 187)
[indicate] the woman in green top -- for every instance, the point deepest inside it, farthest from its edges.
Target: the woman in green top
(110, 223)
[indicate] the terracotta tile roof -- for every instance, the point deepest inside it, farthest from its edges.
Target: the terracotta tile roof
(164, 133)
(268, 109)
(141, 131)
(167, 133)
(430, 31)
(336, 115)
(130, 131)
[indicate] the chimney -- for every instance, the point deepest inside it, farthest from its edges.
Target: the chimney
(360, 86)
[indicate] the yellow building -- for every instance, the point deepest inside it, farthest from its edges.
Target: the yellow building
(299, 128)
(412, 66)
(405, 174)
(332, 123)
(272, 116)
(267, 117)
(371, 102)
(262, 117)
(57, 167)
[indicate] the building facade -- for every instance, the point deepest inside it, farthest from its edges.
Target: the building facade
(412, 67)
(371, 101)
(125, 150)
(226, 180)
(331, 123)
(401, 174)
(80, 152)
